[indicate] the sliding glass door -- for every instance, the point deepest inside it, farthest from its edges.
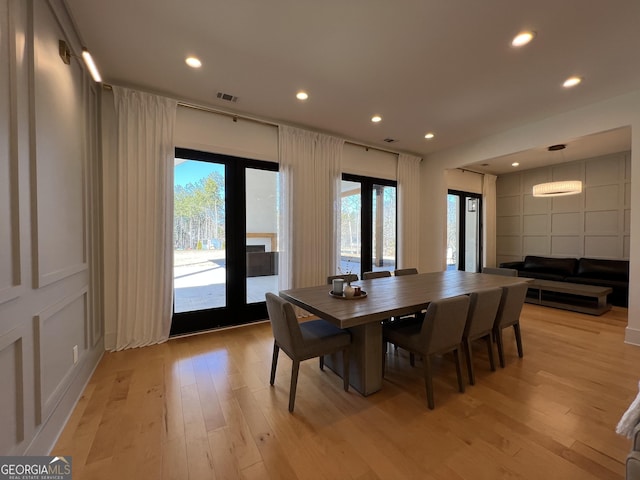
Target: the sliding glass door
(225, 240)
(464, 231)
(368, 225)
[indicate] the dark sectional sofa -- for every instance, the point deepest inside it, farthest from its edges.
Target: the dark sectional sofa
(586, 271)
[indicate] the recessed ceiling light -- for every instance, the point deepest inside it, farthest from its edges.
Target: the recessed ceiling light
(376, 118)
(193, 62)
(522, 39)
(571, 82)
(515, 164)
(429, 136)
(302, 95)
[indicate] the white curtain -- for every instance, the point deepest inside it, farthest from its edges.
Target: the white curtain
(408, 211)
(145, 154)
(310, 170)
(489, 220)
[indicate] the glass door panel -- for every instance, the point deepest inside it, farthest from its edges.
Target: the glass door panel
(383, 232)
(225, 240)
(472, 234)
(453, 227)
(368, 225)
(350, 228)
(199, 257)
(261, 234)
(464, 231)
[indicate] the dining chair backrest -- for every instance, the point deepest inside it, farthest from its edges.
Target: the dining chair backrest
(350, 277)
(511, 305)
(284, 324)
(444, 323)
(483, 308)
(405, 271)
(379, 274)
(506, 272)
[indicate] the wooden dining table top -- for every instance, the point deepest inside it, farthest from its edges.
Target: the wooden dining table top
(392, 296)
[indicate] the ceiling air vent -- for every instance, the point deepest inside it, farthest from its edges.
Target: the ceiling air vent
(227, 97)
(390, 140)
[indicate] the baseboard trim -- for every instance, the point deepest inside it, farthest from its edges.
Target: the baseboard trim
(632, 336)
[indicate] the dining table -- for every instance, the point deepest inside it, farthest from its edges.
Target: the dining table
(382, 299)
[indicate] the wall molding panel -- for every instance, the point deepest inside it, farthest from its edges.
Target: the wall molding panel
(10, 241)
(12, 363)
(54, 367)
(51, 287)
(58, 190)
(592, 224)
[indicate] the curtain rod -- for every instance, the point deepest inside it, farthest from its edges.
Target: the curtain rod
(471, 171)
(236, 116)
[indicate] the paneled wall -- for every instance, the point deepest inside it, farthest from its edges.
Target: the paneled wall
(595, 223)
(51, 325)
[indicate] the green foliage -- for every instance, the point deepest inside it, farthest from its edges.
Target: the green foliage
(199, 214)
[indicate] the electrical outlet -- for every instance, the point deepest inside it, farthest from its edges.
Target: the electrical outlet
(75, 354)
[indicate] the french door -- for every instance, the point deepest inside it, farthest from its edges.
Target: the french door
(464, 231)
(367, 225)
(225, 240)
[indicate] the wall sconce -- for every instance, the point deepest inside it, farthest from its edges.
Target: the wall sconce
(66, 54)
(472, 205)
(64, 51)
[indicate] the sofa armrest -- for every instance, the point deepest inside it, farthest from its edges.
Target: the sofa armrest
(514, 265)
(636, 439)
(633, 466)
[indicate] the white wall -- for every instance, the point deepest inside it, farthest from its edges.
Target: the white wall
(50, 278)
(211, 132)
(622, 111)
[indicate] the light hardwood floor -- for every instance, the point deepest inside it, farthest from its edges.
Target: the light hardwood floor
(201, 407)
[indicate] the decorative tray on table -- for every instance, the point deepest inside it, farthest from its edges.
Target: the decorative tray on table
(363, 294)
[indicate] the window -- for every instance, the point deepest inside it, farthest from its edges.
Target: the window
(225, 239)
(367, 224)
(464, 245)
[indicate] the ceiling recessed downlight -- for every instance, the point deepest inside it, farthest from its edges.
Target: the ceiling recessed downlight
(571, 82)
(515, 164)
(376, 118)
(301, 95)
(522, 39)
(193, 62)
(429, 135)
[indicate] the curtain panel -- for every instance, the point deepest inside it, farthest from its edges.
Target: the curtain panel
(408, 211)
(489, 220)
(310, 172)
(145, 125)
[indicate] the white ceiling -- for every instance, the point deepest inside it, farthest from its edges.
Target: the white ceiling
(424, 65)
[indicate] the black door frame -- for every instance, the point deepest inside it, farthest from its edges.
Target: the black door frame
(236, 311)
(462, 227)
(367, 185)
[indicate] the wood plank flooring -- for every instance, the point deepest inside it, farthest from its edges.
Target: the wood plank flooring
(201, 407)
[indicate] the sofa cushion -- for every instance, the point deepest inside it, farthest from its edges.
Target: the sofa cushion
(605, 269)
(562, 267)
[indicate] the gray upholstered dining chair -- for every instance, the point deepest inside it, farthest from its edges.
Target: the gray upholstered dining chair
(483, 307)
(509, 316)
(378, 274)
(302, 341)
(349, 277)
(439, 332)
(405, 271)
(506, 272)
